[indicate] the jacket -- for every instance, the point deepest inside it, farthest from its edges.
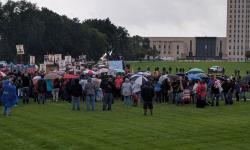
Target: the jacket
(76, 90)
(90, 89)
(126, 89)
(147, 93)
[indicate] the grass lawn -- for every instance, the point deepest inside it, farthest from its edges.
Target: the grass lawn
(229, 66)
(54, 126)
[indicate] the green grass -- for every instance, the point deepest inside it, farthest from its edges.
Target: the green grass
(54, 126)
(229, 66)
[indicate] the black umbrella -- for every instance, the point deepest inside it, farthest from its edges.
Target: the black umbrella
(246, 79)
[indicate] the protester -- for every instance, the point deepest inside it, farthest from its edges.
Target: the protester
(90, 90)
(107, 87)
(147, 96)
(201, 95)
(49, 88)
(42, 89)
(55, 90)
(9, 97)
(118, 84)
(19, 84)
(76, 92)
(136, 93)
(165, 88)
(26, 89)
(237, 90)
(83, 82)
(157, 90)
(127, 92)
(215, 92)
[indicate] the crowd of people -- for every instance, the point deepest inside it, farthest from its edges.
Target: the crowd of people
(104, 88)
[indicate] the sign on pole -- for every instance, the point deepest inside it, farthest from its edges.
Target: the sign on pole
(20, 49)
(32, 60)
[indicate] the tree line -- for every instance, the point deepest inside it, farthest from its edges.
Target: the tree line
(43, 31)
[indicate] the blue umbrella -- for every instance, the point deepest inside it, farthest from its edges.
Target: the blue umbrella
(193, 77)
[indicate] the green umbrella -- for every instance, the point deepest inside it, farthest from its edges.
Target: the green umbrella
(195, 71)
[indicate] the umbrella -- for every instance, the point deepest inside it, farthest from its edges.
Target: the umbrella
(103, 70)
(195, 71)
(180, 74)
(202, 75)
(61, 73)
(193, 77)
(139, 79)
(119, 70)
(144, 73)
(70, 76)
(89, 72)
(246, 79)
(163, 78)
(35, 79)
(52, 76)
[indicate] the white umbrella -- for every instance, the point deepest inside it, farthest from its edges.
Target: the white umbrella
(103, 70)
(163, 78)
(35, 79)
(139, 79)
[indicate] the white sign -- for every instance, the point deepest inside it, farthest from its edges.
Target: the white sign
(20, 49)
(32, 60)
(61, 63)
(51, 58)
(58, 58)
(67, 60)
(43, 67)
(82, 58)
(46, 59)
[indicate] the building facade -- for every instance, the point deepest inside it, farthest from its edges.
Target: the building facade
(238, 16)
(174, 48)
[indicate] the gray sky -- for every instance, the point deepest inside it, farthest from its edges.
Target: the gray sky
(150, 17)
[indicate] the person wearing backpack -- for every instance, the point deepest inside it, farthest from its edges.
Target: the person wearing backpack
(201, 95)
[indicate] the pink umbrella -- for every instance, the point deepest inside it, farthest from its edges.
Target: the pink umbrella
(2, 74)
(70, 76)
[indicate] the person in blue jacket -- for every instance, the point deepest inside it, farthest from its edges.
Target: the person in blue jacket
(9, 97)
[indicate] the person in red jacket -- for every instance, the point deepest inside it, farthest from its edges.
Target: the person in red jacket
(201, 94)
(118, 85)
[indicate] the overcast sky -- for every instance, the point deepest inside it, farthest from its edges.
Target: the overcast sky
(150, 17)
